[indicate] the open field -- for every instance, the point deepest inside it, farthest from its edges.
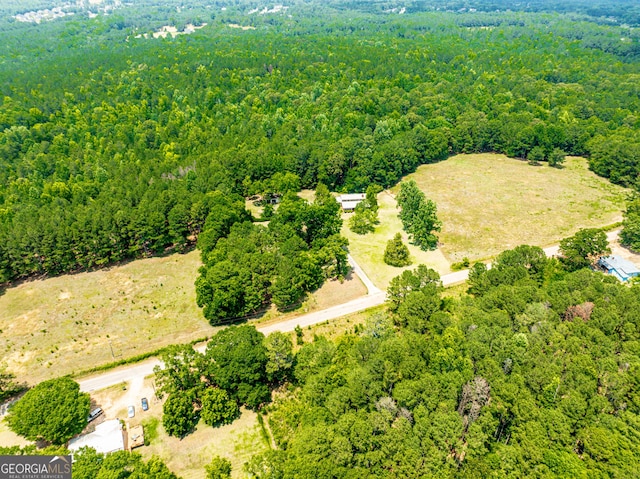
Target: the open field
(63, 325)
(187, 457)
(488, 202)
(69, 323)
(368, 250)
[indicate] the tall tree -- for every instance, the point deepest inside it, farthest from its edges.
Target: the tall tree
(418, 215)
(180, 370)
(236, 363)
(584, 248)
(217, 407)
(179, 413)
(279, 350)
(396, 253)
(54, 410)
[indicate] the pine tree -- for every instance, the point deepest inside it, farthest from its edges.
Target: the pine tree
(396, 253)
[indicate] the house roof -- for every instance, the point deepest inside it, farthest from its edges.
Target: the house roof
(349, 205)
(351, 197)
(620, 264)
(106, 438)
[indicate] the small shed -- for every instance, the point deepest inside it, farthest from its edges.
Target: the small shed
(136, 437)
(619, 267)
(350, 201)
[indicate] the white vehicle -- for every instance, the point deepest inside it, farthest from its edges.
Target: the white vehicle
(94, 414)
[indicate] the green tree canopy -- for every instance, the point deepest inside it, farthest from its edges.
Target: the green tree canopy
(180, 370)
(54, 410)
(179, 414)
(409, 281)
(218, 468)
(89, 464)
(396, 253)
(630, 234)
(418, 215)
(217, 408)
(279, 350)
(584, 248)
(236, 360)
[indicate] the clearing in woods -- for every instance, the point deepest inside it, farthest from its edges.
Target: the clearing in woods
(488, 203)
(368, 250)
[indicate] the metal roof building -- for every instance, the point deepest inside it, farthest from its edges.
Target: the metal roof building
(350, 201)
(106, 438)
(619, 267)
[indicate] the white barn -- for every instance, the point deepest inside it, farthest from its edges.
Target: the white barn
(350, 201)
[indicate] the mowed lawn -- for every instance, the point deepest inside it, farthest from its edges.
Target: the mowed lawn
(368, 250)
(488, 202)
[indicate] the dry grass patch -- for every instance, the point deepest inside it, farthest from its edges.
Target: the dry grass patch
(488, 202)
(8, 438)
(70, 323)
(368, 250)
(329, 294)
(64, 325)
(338, 327)
(187, 457)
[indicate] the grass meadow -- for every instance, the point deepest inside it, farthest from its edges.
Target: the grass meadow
(488, 203)
(368, 250)
(71, 323)
(187, 457)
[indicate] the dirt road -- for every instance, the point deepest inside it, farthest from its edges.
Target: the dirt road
(375, 297)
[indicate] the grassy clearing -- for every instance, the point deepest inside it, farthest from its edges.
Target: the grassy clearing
(488, 202)
(368, 250)
(187, 457)
(60, 325)
(338, 327)
(68, 324)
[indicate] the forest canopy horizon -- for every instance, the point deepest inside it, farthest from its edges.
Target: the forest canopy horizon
(115, 153)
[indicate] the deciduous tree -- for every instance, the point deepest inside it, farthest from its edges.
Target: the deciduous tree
(54, 410)
(584, 248)
(179, 414)
(217, 407)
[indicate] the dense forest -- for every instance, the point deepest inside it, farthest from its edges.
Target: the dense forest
(111, 146)
(115, 145)
(533, 375)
